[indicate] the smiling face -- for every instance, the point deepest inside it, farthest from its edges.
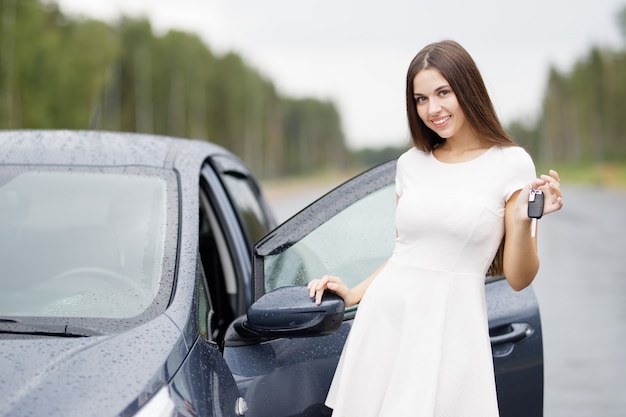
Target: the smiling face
(438, 107)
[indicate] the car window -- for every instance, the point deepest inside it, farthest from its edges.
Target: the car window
(247, 205)
(81, 243)
(349, 232)
(352, 244)
(246, 198)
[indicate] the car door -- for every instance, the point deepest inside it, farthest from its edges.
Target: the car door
(350, 232)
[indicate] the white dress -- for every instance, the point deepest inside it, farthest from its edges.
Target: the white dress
(419, 345)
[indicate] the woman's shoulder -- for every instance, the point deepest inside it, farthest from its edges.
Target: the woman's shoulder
(413, 154)
(513, 152)
(514, 156)
(516, 162)
(516, 169)
(411, 159)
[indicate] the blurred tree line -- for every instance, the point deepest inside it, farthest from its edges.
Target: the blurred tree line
(58, 72)
(583, 118)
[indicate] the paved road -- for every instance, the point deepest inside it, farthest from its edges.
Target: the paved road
(581, 289)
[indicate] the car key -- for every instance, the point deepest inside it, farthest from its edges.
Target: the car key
(535, 209)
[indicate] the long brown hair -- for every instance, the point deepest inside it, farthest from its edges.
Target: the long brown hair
(456, 65)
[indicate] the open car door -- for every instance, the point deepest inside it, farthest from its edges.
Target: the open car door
(284, 352)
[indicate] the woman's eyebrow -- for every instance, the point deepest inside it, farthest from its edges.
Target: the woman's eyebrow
(438, 89)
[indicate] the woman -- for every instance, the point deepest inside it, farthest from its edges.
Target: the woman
(462, 199)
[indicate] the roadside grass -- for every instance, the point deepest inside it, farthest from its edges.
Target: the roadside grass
(612, 175)
(325, 180)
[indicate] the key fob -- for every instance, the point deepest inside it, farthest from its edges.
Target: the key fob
(535, 204)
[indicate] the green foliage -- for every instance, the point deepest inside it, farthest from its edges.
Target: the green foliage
(604, 174)
(371, 157)
(307, 140)
(62, 73)
(52, 69)
(582, 119)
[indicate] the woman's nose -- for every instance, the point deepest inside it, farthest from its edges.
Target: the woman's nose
(434, 106)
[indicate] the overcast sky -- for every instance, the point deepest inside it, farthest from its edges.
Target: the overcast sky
(356, 52)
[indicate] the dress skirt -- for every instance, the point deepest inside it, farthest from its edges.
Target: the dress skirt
(419, 346)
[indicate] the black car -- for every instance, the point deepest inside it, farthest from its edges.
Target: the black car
(145, 276)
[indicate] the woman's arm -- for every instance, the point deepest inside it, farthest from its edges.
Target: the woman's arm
(351, 296)
(521, 261)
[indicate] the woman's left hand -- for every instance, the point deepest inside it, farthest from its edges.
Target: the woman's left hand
(550, 185)
(552, 195)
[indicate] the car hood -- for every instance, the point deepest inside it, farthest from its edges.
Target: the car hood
(87, 376)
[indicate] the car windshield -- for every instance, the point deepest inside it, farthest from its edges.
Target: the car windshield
(80, 243)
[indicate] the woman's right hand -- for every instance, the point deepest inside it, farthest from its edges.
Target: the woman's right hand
(328, 282)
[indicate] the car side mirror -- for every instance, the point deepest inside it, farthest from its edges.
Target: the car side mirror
(290, 312)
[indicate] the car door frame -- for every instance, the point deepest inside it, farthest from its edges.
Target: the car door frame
(212, 187)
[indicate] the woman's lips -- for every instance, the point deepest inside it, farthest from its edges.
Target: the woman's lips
(441, 121)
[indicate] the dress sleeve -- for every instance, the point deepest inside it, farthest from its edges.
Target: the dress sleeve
(521, 170)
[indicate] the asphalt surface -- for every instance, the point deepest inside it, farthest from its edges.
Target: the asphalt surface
(581, 287)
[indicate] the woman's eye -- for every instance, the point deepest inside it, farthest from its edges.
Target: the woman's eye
(420, 99)
(444, 92)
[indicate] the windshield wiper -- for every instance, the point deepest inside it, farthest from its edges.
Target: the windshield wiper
(18, 326)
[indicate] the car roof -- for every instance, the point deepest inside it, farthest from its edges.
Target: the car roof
(94, 148)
